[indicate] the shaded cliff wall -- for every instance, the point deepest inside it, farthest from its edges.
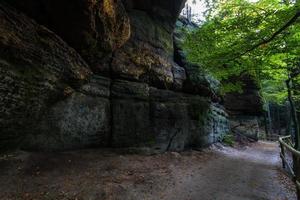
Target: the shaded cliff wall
(245, 109)
(120, 87)
(36, 70)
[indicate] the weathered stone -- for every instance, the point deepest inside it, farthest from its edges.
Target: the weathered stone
(179, 74)
(248, 102)
(95, 28)
(244, 108)
(130, 90)
(180, 121)
(98, 86)
(76, 122)
(245, 127)
(217, 125)
(50, 94)
(147, 55)
(168, 9)
(197, 80)
(162, 119)
(130, 115)
(36, 70)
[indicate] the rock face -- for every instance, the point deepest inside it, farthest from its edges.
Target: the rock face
(166, 120)
(147, 56)
(245, 126)
(132, 92)
(197, 81)
(248, 102)
(245, 108)
(95, 28)
(36, 70)
(81, 120)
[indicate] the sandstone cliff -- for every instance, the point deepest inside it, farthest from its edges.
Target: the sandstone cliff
(101, 73)
(245, 109)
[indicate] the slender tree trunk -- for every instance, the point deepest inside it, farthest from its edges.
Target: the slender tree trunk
(269, 118)
(278, 121)
(293, 114)
(266, 124)
(296, 160)
(288, 129)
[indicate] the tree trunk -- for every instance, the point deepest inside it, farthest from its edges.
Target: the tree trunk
(278, 120)
(269, 118)
(293, 114)
(289, 122)
(296, 160)
(266, 124)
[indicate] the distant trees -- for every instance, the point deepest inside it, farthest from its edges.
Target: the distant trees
(261, 39)
(258, 38)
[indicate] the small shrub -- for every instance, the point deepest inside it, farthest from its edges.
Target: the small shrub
(228, 140)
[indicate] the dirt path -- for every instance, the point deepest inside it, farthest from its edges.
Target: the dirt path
(216, 174)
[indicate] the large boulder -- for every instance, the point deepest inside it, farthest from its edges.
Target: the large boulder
(37, 69)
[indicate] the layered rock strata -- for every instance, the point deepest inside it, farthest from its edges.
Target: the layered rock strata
(92, 73)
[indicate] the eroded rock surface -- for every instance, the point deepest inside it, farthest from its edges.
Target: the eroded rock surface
(81, 120)
(132, 92)
(245, 108)
(197, 80)
(248, 102)
(95, 28)
(36, 69)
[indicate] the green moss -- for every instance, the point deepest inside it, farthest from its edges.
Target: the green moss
(229, 139)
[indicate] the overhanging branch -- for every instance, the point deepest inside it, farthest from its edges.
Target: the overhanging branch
(274, 35)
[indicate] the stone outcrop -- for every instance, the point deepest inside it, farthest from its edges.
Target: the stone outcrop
(245, 127)
(131, 114)
(130, 92)
(95, 28)
(248, 102)
(80, 120)
(245, 108)
(147, 56)
(37, 69)
(163, 119)
(197, 81)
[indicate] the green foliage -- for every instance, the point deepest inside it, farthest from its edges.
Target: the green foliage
(241, 37)
(229, 140)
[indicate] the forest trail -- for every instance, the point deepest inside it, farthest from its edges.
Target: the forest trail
(218, 173)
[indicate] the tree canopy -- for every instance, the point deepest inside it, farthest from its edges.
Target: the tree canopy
(258, 38)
